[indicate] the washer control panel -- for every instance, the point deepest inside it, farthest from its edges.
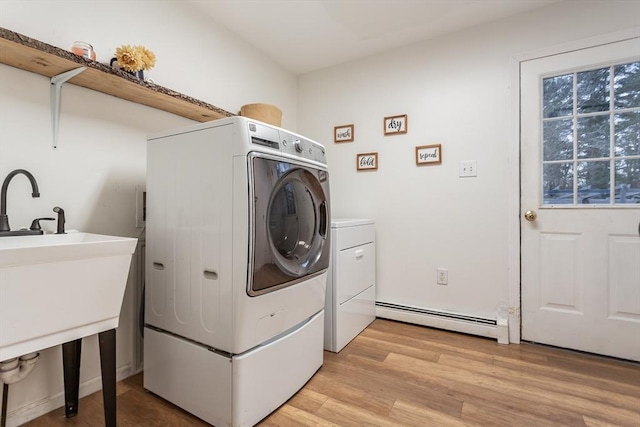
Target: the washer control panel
(286, 142)
(302, 147)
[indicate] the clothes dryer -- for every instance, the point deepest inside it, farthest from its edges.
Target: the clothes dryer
(238, 247)
(350, 303)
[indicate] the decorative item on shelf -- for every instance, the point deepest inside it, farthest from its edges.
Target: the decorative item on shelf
(83, 49)
(264, 112)
(134, 60)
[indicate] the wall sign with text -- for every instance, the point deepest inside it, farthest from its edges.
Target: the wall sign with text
(367, 161)
(395, 124)
(429, 155)
(343, 133)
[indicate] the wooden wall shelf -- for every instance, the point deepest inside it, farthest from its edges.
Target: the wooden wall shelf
(32, 55)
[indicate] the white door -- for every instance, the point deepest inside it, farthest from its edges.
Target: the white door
(580, 182)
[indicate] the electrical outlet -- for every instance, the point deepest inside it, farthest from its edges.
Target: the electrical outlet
(468, 168)
(141, 206)
(442, 276)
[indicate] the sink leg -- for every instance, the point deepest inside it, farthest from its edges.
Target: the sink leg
(71, 352)
(5, 395)
(107, 341)
(71, 367)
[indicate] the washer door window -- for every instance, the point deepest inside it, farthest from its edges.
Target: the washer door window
(290, 223)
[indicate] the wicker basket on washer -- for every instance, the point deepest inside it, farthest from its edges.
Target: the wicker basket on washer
(264, 112)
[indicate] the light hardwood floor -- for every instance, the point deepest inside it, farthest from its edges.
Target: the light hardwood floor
(395, 374)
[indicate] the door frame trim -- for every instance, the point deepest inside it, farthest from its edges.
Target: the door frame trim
(513, 235)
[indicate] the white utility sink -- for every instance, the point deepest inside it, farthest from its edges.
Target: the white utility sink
(56, 288)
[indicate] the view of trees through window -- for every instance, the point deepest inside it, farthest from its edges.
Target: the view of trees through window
(591, 136)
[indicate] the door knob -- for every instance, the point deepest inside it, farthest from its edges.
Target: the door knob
(530, 216)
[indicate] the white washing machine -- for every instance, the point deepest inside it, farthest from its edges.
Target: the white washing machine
(238, 247)
(351, 285)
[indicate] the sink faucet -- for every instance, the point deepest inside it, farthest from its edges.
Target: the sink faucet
(4, 219)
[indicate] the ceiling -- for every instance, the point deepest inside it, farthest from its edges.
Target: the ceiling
(307, 35)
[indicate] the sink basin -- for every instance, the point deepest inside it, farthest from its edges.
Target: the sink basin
(56, 288)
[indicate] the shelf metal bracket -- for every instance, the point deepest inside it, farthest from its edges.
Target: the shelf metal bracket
(55, 91)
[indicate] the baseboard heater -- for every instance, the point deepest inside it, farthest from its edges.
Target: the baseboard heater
(438, 319)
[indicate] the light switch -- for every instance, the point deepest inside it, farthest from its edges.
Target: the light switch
(468, 168)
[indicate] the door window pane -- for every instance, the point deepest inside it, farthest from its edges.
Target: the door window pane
(628, 181)
(627, 134)
(557, 139)
(593, 137)
(593, 91)
(594, 181)
(627, 85)
(558, 96)
(558, 183)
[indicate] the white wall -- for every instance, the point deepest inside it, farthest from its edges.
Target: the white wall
(457, 91)
(102, 145)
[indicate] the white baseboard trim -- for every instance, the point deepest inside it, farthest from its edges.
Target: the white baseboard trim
(36, 409)
(438, 320)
